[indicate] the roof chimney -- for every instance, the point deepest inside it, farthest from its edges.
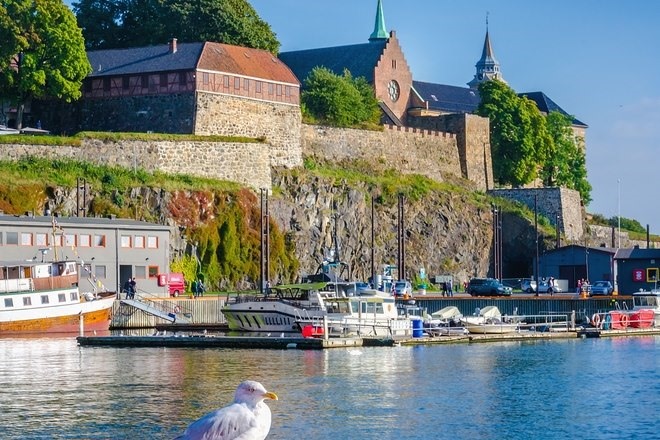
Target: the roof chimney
(173, 45)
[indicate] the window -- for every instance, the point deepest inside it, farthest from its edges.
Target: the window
(183, 80)
(140, 272)
(257, 86)
(84, 240)
(237, 83)
(163, 80)
(41, 239)
(125, 82)
(138, 241)
(9, 302)
(144, 81)
(106, 84)
(125, 241)
(12, 238)
(270, 88)
(226, 81)
(99, 271)
(74, 296)
(61, 297)
(246, 84)
(99, 241)
(651, 274)
(69, 240)
(393, 64)
(44, 299)
(153, 271)
(279, 90)
(152, 242)
(26, 239)
(0, 238)
(27, 301)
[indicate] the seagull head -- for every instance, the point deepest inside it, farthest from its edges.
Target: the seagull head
(252, 392)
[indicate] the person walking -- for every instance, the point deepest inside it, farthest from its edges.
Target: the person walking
(133, 287)
(450, 287)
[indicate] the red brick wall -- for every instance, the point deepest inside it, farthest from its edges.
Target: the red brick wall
(393, 66)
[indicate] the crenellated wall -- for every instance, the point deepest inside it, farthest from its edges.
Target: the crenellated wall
(408, 150)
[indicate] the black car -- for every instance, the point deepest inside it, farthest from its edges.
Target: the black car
(487, 287)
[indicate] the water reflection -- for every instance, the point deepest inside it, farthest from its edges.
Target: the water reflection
(51, 388)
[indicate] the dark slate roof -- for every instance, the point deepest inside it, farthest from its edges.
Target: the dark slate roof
(140, 60)
(447, 98)
(547, 105)
(580, 248)
(359, 59)
(637, 254)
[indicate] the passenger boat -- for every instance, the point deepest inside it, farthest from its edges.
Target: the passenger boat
(45, 297)
(277, 310)
(291, 308)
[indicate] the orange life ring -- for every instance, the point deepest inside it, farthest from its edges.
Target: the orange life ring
(595, 320)
(177, 309)
(624, 321)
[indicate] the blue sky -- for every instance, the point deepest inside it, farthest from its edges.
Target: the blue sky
(597, 59)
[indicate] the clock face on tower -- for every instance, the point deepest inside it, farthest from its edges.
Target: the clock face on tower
(393, 90)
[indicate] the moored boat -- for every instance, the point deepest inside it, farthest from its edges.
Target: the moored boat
(645, 302)
(489, 320)
(44, 297)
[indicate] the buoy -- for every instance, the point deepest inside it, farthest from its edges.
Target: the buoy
(595, 320)
(177, 309)
(624, 320)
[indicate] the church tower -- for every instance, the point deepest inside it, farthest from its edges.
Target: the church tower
(380, 31)
(487, 67)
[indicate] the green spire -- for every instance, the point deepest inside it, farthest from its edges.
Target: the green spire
(380, 32)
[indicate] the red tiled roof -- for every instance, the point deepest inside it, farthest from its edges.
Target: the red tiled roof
(245, 61)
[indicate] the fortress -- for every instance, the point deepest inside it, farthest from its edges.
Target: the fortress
(211, 88)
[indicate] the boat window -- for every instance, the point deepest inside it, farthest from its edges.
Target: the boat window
(61, 297)
(44, 299)
(74, 296)
(9, 302)
(27, 301)
(379, 308)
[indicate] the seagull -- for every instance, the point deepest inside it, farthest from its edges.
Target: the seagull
(248, 418)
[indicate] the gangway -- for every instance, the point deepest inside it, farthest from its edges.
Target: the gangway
(147, 306)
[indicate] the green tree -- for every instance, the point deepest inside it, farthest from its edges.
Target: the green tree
(42, 54)
(132, 23)
(339, 100)
(565, 163)
(518, 135)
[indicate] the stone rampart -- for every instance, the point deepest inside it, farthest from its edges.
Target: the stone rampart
(245, 163)
(408, 150)
(278, 123)
(556, 204)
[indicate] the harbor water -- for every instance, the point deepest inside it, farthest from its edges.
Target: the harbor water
(607, 388)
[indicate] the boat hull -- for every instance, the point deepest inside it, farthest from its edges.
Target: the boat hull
(264, 317)
(95, 315)
(494, 329)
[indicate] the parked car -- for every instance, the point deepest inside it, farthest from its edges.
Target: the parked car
(601, 288)
(402, 288)
(487, 287)
(529, 286)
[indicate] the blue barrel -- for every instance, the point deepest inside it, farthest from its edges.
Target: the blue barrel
(418, 328)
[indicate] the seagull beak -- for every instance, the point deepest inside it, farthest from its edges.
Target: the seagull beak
(269, 395)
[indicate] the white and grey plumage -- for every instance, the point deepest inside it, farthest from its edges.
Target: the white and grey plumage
(248, 418)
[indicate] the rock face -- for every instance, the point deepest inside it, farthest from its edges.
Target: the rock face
(445, 233)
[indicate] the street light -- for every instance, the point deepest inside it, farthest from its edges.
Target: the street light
(618, 185)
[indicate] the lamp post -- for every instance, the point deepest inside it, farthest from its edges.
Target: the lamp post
(536, 232)
(618, 235)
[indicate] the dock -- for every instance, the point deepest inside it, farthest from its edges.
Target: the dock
(197, 340)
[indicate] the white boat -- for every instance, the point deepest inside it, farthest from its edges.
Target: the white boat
(277, 310)
(364, 315)
(445, 322)
(44, 297)
(489, 320)
(644, 301)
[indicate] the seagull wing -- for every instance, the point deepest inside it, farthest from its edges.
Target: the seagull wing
(234, 422)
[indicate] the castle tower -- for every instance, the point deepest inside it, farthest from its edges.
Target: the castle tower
(487, 67)
(380, 31)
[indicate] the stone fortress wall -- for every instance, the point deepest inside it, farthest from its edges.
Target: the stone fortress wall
(556, 204)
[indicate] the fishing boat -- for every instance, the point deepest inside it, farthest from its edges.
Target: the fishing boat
(45, 297)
